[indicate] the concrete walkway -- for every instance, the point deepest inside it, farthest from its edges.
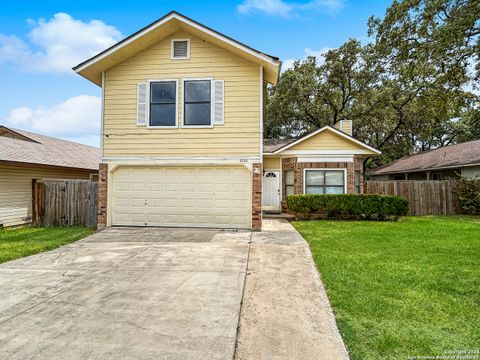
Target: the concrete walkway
(285, 313)
(151, 293)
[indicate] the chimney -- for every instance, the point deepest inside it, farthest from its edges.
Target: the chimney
(345, 126)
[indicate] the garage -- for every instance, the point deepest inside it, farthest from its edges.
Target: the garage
(191, 196)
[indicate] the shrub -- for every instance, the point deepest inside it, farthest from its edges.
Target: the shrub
(348, 206)
(468, 193)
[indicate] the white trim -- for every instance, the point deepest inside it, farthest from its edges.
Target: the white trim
(338, 132)
(149, 82)
(186, 21)
(345, 189)
(321, 152)
(182, 125)
(102, 110)
(261, 113)
(314, 159)
(172, 52)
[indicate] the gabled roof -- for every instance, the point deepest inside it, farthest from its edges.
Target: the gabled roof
(165, 26)
(277, 146)
(452, 156)
(38, 149)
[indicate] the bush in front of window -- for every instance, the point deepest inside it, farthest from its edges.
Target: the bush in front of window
(348, 206)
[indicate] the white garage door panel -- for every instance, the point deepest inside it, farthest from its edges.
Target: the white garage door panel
(182, 196)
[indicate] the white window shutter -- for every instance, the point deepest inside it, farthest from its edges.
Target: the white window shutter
(142, 100)
(218, 102)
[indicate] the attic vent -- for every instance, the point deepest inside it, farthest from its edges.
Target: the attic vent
(180, 49)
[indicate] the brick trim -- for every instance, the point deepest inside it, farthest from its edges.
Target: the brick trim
(257, 174)
(102, 196)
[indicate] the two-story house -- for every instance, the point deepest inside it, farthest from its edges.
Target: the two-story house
(182, 133)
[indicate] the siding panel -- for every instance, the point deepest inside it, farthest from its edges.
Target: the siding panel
(242, 97)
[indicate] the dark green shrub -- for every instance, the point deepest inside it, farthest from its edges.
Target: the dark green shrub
(468, 193)
(348, 206)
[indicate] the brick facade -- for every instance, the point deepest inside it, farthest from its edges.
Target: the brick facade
(257, 175)
(102, 196)
(291, 164)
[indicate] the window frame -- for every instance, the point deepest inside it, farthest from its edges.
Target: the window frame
(287, 185)
(324, 183)
(149, 86)
(212, 109)
(172, 52)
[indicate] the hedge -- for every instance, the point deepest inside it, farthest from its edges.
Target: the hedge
(348, 206)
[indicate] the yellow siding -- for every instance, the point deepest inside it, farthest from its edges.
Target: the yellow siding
(239, 136)
(327, 140)
(271, 162)
(16, 190)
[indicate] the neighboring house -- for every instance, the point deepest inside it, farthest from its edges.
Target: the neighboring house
(182, 124)
(24, 157)
(448, 162)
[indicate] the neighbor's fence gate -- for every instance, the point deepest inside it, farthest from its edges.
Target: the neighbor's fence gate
(65, 202)
(425, 197)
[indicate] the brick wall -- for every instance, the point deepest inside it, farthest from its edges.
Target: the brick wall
(292, 164)
(257, 175)
(102, 196)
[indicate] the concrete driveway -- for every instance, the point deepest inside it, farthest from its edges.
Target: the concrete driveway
(151, 293)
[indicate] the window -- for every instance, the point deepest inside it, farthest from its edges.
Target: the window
(163, 103)
(180, 49)
(357, 182)
(289, 183)
(324, 182)
(197, 103)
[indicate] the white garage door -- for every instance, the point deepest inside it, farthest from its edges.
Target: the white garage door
(182, 196)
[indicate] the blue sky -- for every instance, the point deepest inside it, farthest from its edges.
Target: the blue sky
(41, 40)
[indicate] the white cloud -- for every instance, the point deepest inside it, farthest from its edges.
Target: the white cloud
(58, 44)
(288, 64)
(75, 119)
(286, 9)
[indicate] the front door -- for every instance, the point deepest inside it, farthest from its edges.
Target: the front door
(271, 190)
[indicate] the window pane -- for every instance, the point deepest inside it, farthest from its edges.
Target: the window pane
(162, 114)
(357, 178)
(334, 177)
(197, 91)
(289, 178)
(314, 177)
(334, 190)
(289, 190)
(314, 190)
(162, 92)
(197, 114)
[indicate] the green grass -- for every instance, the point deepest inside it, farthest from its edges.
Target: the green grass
(404, 288)
(20, 242)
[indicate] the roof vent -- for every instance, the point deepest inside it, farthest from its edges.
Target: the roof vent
(180, 49)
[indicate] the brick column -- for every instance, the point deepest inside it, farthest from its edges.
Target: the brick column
(257, 197)
(102, 196)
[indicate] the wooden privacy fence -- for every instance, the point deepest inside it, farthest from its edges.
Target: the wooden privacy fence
(65, 202)
(425, 197)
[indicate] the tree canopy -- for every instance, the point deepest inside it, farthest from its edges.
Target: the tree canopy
(412, 87)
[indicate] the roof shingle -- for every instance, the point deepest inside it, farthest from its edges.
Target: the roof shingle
(46, 150)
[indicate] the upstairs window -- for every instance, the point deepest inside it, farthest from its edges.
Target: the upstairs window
(197, 107)
(163, 103)
(180, 49)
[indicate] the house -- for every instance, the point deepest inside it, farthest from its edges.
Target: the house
(444, 163)
(182, 125)
(24, 157)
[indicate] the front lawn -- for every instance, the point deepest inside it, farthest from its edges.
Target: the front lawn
(17, 243)
(400, 289)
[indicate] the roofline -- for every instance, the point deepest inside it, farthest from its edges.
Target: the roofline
(19, 134)
(73, 168)
(338, 132)
(424, 170)
(171, 15)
